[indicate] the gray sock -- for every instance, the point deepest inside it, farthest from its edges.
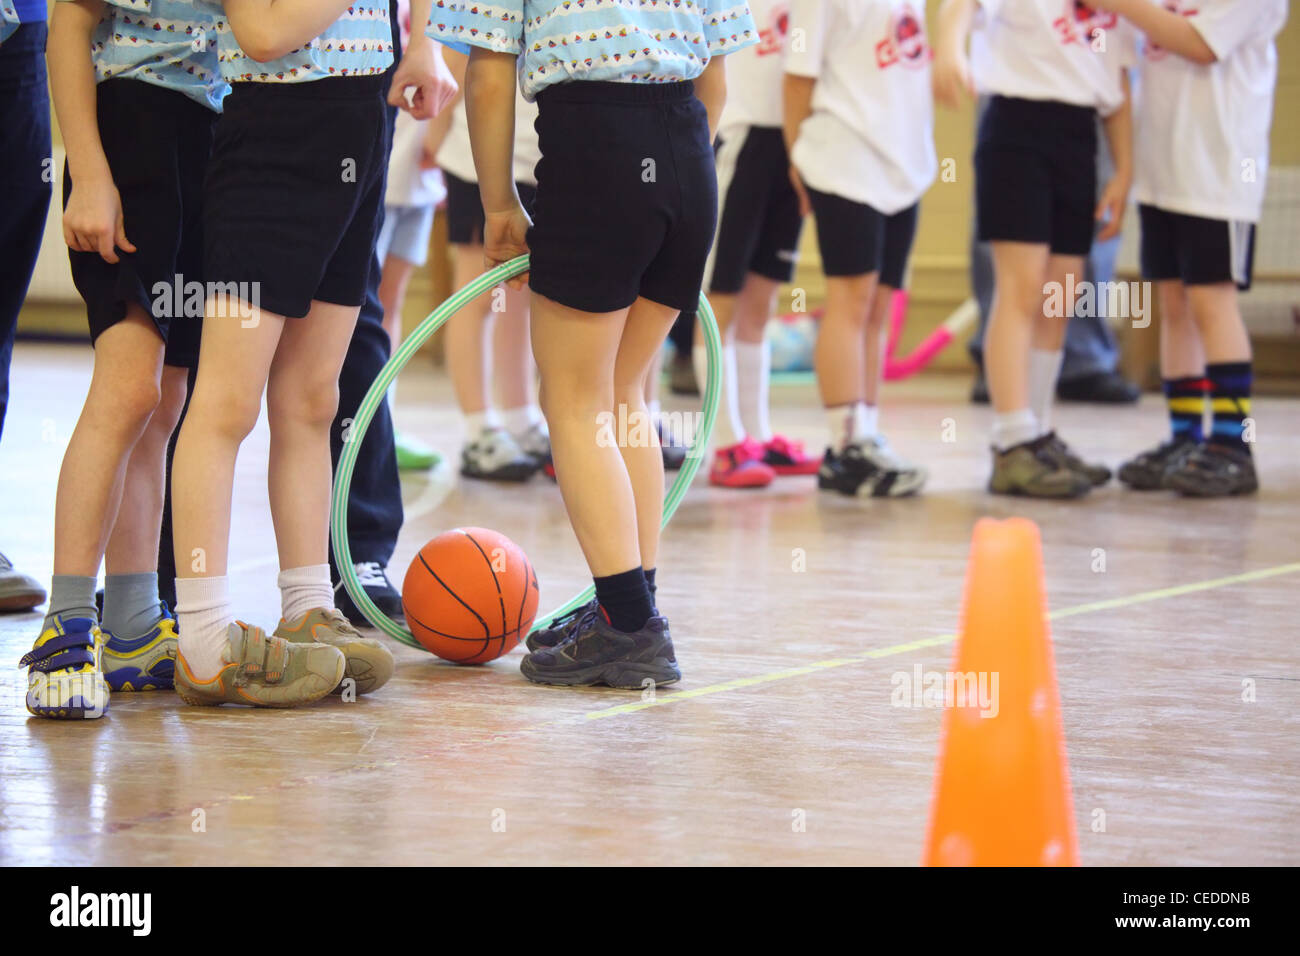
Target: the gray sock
(71, 595)
(131, 603)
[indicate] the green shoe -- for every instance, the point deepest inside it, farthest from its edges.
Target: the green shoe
(369, 663)
(1033, 470)
(413, 455)
(263, 671)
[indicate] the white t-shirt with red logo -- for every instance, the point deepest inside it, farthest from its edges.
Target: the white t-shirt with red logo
(755, 74)
(1202, 132)
(870, 137)
(1061, 50)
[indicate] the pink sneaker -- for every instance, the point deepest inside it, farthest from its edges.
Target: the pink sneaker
(786, 457)
(740, 466)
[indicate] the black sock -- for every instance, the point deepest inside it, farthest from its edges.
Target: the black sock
(1230, 384)
(650, 583)
(625, 599)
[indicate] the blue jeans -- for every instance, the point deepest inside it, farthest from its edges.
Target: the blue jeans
(27, 182)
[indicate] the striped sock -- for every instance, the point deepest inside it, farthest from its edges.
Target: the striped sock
(1186, 400)
(1230, 402)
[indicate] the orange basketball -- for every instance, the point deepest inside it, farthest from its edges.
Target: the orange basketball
(470, 595)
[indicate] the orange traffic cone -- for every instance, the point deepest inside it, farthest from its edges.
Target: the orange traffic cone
(1002, 789)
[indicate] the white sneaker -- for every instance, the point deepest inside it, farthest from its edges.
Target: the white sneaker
(536, 442)
(870, 468)
(495, 456)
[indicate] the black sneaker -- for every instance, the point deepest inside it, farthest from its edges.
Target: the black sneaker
(495, 455)
(870, 469)
(600, 654)
(561, 628)
(1147, 471)
(1214, 471)
(374, 581)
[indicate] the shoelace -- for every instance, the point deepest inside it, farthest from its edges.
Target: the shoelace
(370, 574)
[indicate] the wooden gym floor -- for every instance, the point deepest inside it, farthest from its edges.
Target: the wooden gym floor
(785, 711)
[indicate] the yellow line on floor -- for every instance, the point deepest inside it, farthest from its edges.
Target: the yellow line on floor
(1093, 607)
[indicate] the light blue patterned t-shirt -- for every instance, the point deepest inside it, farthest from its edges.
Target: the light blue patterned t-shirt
(358, 43)
(628, 41)
(169, 43)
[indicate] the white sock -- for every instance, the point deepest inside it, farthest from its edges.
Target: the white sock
(841, 421)
(753, 382)
(304, 589)
(476, 423)
(202, 616)
(519, 420)
(1014, 428)
(866, 421)
(1044, 369)
(728, 427)
(392, 398)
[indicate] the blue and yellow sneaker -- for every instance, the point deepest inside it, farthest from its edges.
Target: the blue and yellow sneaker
(146, 662)
(65, 676)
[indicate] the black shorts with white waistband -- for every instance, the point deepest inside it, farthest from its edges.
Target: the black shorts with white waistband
(157, 142)
(1196, 250)
(1036, 174)
(627, 195)
(759, 225)
(295, 190)
(856, 239)
(465, 209)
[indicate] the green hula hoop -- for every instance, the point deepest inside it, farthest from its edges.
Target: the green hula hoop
(378, 391)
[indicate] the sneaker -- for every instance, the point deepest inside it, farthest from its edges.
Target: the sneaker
(413, 455)
(495, 456)
(1033, 470)
(18, 592)
(870, 469)
(536, 442)
(674, 452)
(369, 663)
(600, 654)
(65, 674)
(1097, 475)
(1148, 471)
(741, 466)
(144, 662)
(1214, 471)
(562, 628)
(374, 581)
(263, 671)
(786, 457)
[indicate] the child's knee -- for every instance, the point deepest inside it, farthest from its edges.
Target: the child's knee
(314, 405)
(231, 413)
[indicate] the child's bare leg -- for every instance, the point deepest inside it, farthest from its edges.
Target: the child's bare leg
(123, 394)
(1065, 274)
(754, 307)
(840, 352)
(575, 353)
(393, 283)
(1020, 270)
(876, 335)
(1181, 353)
(301, 402)
(514, 384)
(133, 544)
(131, 602)
(638, 353)
(234, 361)
(467, 356)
